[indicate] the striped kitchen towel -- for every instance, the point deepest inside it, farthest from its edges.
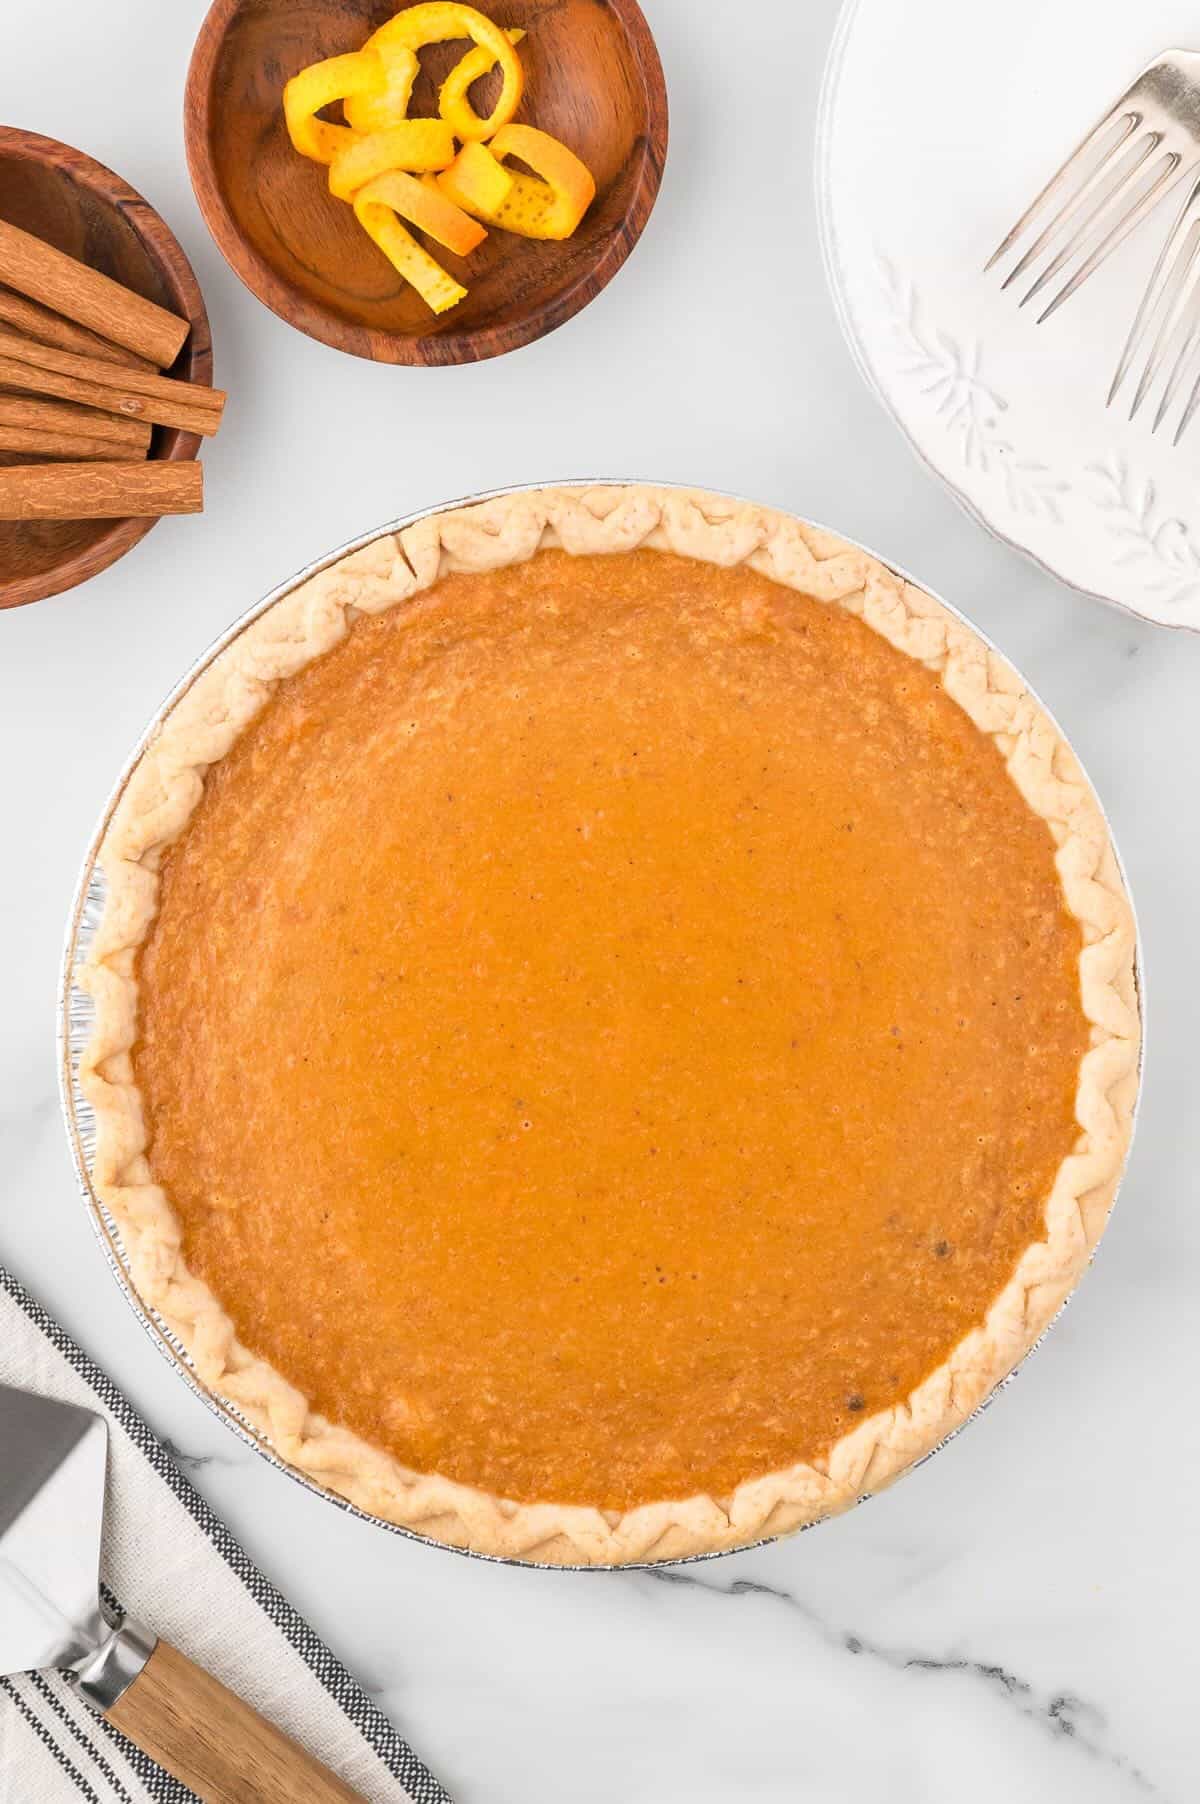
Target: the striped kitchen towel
(178, 1568)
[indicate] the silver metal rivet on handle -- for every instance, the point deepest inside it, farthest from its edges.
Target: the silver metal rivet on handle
(105, 1676)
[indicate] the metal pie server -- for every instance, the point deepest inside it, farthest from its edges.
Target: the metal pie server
(53, 1463)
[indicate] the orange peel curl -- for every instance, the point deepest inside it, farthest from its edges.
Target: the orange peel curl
(414, 144)
(387, 103)
(427, 208)
(438, 20)
(548, 204)
(436, 286)
(454, 100)
(337, 78)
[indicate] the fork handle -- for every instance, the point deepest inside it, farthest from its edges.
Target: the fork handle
(198, 1730)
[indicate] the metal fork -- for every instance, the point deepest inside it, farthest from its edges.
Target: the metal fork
(1125, 165)
(1172, 301)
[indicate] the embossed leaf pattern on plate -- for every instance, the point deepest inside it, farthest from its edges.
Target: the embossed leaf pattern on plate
(948, 370)
(1150, 537)
(925, 156)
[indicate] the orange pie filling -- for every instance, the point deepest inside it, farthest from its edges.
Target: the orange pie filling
(610, 1025)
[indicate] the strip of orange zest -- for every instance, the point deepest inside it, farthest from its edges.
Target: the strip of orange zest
(427, 209)
(337, 78)
(376, 110)
(571, 187)
(454, 103)
(483, 187)
(413, 144)
(476, 182)
(437, 289)
(438, 20)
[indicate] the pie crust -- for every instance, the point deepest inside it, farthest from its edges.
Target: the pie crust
(164, 788)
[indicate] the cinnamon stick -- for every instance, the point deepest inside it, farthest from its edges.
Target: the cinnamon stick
(32, 379)
(101, 491)
(50, 328)
(90, 299)
(31, 415)
(34, 441)
(95, 369)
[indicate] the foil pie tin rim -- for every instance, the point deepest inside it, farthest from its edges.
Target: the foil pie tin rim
(74, 1018)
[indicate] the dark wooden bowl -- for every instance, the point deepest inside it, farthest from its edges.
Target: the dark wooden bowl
(84, 209)
(593, 79)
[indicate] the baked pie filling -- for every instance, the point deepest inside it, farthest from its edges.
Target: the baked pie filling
(609, 1028)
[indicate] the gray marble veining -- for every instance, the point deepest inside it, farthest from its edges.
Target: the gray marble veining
(1060, 1713)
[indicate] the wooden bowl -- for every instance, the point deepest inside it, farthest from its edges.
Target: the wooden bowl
(593, 79)
(81, 207)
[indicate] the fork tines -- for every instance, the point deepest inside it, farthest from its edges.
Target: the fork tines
(1172, 304)
(1106, 187)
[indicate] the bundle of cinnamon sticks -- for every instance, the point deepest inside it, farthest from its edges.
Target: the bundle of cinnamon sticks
(81, 390)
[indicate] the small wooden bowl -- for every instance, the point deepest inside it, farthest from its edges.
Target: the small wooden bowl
(82, 208)
(593, 79)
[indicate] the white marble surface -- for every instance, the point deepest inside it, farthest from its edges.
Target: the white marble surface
(1014, 1621)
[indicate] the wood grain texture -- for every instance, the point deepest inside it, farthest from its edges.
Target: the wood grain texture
(593, 79)
(67, 199)
(214, 1743)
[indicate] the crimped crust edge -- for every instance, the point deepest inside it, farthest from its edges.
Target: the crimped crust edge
(164, 787)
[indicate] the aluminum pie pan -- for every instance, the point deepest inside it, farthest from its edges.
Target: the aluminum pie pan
(76, 1011)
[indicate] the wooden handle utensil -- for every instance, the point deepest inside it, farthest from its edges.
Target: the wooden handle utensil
(214, 1743)
(52, 1487)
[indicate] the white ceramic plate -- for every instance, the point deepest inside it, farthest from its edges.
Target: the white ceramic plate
(939, 123)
